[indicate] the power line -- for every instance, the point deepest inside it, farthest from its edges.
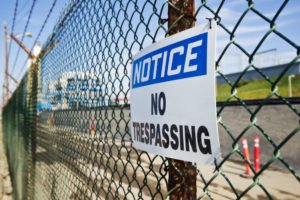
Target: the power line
(13, 24)
(25, 29)
(22, 16)
(23, 6)
(23, 12)
(39, 34)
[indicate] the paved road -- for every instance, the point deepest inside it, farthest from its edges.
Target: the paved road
(279, 184)
(277, 121)
(5, 183)
(59, 172)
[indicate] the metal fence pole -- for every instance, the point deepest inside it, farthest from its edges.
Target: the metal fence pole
(32, 89)
(6, 63)
(182, 175)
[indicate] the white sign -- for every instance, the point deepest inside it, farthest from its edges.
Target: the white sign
(173, 101)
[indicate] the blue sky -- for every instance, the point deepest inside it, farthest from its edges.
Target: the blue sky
(39, 14)
(248, 34)
(253, 28)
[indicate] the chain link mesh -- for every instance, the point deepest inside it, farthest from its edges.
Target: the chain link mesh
(79, 146)
(19, 123)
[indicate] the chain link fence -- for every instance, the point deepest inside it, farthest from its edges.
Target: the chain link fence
(67, 126)
(19, 122)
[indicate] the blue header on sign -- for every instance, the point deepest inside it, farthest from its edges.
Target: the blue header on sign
(184, 59)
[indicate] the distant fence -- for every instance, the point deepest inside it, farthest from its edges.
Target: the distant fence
(67, 126)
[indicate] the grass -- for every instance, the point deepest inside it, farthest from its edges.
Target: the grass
(259, 89)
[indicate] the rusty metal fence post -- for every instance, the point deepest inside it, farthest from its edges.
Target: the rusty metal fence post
(182, 182)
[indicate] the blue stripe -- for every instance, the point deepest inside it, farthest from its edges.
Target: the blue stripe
(200, 61)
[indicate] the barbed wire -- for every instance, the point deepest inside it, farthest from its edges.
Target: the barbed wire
(38, 36)
(22, 16)
(23, 12)
(13, 24)
(25, 29)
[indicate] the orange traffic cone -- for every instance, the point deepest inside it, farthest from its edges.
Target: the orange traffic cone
(256, 154)
(247, 156)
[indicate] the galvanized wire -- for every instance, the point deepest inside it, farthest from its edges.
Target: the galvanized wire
(82, 144)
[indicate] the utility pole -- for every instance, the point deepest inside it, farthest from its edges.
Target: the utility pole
(6, 82)
(8, 76)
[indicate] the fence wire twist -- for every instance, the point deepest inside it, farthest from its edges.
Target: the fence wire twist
(79, 145)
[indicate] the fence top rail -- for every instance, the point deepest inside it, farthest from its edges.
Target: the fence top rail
(254, 102)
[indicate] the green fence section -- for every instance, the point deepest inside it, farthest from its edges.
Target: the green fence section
(19, 122)
(79, 144)
(16, 142)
